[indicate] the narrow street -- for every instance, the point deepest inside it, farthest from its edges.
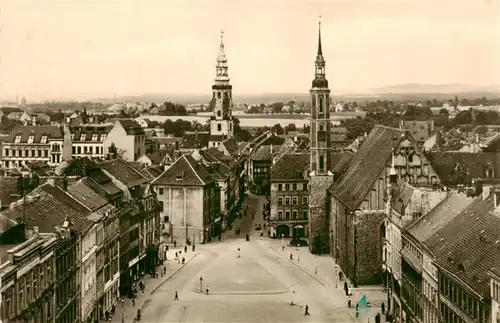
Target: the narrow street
(248, 282)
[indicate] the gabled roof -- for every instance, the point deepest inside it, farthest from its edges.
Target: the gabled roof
(366, 166)
(87, 133)
(442, 214)
(152, 172)
(185, 171)
(157, 157)
(195, 139)
(52, 132)
(273, 140)
(231, 146)
(475, 251)
(340, 162)
(462, 222)
(419, 129)
(86, 195)
(124, 172)
(290, 167)
(263, 153)
(131, 127)
(455, 168)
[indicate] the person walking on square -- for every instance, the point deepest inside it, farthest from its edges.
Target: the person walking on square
(306, 313)
(349, 302)
(377, 318)
(341, 275)
(208, 290)
(176, 298)
(382, 307)
(346, 289)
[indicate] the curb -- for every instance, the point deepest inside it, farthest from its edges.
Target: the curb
(298, 266)
(172, 274)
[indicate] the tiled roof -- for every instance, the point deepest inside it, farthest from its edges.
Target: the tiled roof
(157, 157)
(131, 127)
(125, 173)
(87, 133)
(196, 140)
(273, 140)
(217, 138)
(444, 212)
(152, 172)
(475, 251)
(340, 162)
(212, 155)
(41, 168)
(52, 132)
(86, 195)
(184, 172)
(463, 221)
(366, 166)
(231, 146)
(219, 171)
(455, 168)
(263, 153)
(290, 167)
(8, 187)
(105, 189)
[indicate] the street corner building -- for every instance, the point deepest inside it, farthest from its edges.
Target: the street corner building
(190, 201)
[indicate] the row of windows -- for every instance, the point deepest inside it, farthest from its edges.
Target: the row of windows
(294, 187)
(294, 199)
(292, 215)
(88, 150)
(495, 291)
(27, 152)
(95, 137)
(31, 138)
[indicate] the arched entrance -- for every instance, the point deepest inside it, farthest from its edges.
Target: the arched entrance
(283, 231)
(299, 231)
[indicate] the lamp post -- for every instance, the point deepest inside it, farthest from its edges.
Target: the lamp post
(282, 241)
(123, 305)
(201, 284)
(336, 276)
(316, 266)
(238, 252)
(298, 252)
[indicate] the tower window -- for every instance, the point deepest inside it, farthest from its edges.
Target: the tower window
(218, 113)
(320, 105)
(213, 95)
(218, 95)
(321, 162)
(321, 127)
(219, 127)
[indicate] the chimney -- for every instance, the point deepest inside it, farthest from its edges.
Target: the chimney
(35, 230)
(486, 191)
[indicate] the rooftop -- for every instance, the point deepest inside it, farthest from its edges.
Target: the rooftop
(36, 132)
(124, 172)
(290, 167)
(185, 171)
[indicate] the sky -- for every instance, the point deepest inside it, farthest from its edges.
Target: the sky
(90, 48)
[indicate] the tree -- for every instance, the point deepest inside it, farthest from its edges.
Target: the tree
(113, 151)
(290, 127)
(278, 129)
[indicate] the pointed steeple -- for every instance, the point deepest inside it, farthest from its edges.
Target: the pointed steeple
(222, 55)
(320, 50)
(222, 68)
(320, 80)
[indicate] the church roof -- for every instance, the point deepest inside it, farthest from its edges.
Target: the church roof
(366, 166)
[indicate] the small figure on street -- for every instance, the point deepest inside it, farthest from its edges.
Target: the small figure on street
(282, 248)
(185, 249)
(382, 307)
(176, 298)
(113, 310)
(194, 247)
(349, 301)
(341, 275)
(208, 290)
(377, 318)
(346, 289)
(133, 301)
(306, 313)
(164, 270)
(107, 315)
(219, 238)
(138, 314)
(291, 256)
(176, 255)
(175, 243)
(389, 318)
(357, 310)
(183, 260)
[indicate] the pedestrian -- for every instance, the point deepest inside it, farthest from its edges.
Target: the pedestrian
(306, 313)
(346, 289)
(349, 301)
(208, 290)
(291, 256)
(377, 318)
(164, 270)
(175, 243)
(133, 302)
(176, 298)
(341, 275)
(282, 248)
(185, 249)
(176, 255)
(194, 247)
(382, 307)
(219, 238)
(183, 260)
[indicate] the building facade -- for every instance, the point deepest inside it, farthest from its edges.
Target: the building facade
(320, 176)
(221, 122)
(495, 295)
(88, 140)
(128, 138)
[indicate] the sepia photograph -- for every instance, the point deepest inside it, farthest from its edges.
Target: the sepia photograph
(250, 161)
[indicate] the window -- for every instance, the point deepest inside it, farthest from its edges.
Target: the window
(287, 215)
(304, 200)
(219, 127)
(46, 153)
(6, 152)
(294, 200)
(21, 300)
(320, 105)
(17, 139)
(304, 187)
(39, 153)
(218, 95)
(103, 136)
(287, 187)
(280, 201)
(218, 113)
(294, 187)
(410, 158)
(33, 153)
(321, 162)
(82, 137)
(160, 191)
(72, 136)
(43, 140)
(30, 139)
(35, 289)
(287, 201)
(304, 215)
(280, 215)
(294, 214)
(165, 218)
(94, 137)
(280, 187)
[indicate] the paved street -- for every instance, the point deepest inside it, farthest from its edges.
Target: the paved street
(258, 286)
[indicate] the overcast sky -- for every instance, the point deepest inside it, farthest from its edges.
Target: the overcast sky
(87, 48)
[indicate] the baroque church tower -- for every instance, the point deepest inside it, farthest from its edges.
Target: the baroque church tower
(320, 176)
(221, 122)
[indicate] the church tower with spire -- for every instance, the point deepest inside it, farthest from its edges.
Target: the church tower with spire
(320, 176)
(221, 121)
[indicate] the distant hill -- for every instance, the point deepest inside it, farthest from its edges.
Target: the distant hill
(410, 91)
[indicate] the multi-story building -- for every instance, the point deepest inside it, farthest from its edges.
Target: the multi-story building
(419, 284)
(290, 196)
(50, 144)
(88, 140)
(27, 280)
(189, 199)
(221, 122)
(320, 176)
(421, 130)
(468, 249)
(128, 138)
(495, 295)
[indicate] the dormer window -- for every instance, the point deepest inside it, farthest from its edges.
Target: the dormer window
(30, 139)
(72, 136)
(43, 140)
(82, 137)
(94, 137)
(103, 136)
(17, 139)
(180, 176)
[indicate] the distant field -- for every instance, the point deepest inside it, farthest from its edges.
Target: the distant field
(340, 115)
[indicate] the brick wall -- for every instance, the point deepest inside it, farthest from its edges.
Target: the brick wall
(318, 213)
